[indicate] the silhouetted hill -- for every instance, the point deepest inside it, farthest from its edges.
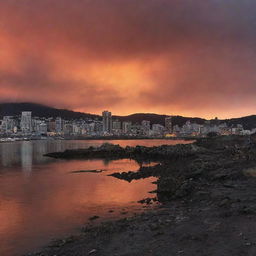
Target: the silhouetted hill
(138, 118)
(248, 122)
(15, 109)
(158, 119)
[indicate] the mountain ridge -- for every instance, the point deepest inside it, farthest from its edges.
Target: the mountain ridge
(40, 110)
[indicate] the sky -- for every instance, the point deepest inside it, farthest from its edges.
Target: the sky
(191, 57)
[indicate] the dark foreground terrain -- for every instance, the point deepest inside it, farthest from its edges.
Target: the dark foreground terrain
(207, 195)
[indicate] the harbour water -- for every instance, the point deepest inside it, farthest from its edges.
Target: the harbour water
(41, 199)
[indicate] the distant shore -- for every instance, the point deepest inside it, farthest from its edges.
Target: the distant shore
(15, 139)
(128, 138)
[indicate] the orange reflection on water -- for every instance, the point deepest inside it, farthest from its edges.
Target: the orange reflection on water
(40, 197)
(54, 200)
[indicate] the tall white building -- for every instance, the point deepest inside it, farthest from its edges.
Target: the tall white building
(107, 121)
(26, 122)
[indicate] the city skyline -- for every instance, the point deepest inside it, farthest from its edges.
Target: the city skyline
(25, 126)
(185, 58)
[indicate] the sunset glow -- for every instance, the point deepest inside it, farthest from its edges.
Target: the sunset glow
(193, 59)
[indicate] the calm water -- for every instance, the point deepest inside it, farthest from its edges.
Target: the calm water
(40, 199)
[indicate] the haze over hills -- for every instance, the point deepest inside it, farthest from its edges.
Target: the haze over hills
(14, 109)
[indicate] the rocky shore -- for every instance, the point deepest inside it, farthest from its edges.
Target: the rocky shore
(207, 195)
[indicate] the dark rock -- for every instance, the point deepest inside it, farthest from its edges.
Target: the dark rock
(94, 217)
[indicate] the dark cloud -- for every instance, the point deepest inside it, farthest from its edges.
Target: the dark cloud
(35, 82)
(195, 56)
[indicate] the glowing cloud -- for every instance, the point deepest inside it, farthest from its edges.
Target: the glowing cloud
(189, 57)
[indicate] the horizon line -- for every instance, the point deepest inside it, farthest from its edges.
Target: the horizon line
(135, 113)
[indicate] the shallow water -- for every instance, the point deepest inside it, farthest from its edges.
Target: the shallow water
(40, 199)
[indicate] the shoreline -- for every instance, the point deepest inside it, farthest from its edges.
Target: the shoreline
(11, 139)
(208, 202)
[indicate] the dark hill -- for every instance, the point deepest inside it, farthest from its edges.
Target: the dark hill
(15, 109)
(248, 122)
(158, 119)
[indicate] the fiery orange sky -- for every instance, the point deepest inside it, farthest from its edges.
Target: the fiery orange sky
(192, 57)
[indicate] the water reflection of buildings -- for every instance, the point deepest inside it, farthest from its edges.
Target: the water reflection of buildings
(26, 156)
(9, 154)
(23, 155)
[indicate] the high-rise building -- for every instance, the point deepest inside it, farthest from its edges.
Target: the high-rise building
(58, 125)
(26, 122)
(168, 124)
(107, 121)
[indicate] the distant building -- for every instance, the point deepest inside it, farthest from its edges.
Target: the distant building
(98, 127)
(145, 125)
(51, 125)
(58, 125)
(157, 129)
(168, 124)
(92, 127)
(176, 129)
(116, 127)
(43, 128)
(76, 130)
(126, 127)
(8, 124)
(107, 122)
(136, 129)
(67, 128)
(26, 122)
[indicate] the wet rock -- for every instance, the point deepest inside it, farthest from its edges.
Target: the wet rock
(88, 171)
(154, 226)
(224, 202)
(112, 151)
(94, 218)
(171, 187)
(185, 189)
(147, 201)
(93, 251)
(247, 210)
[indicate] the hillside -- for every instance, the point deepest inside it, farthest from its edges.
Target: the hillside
(14, 109)
(248, 122)
(158, 119)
